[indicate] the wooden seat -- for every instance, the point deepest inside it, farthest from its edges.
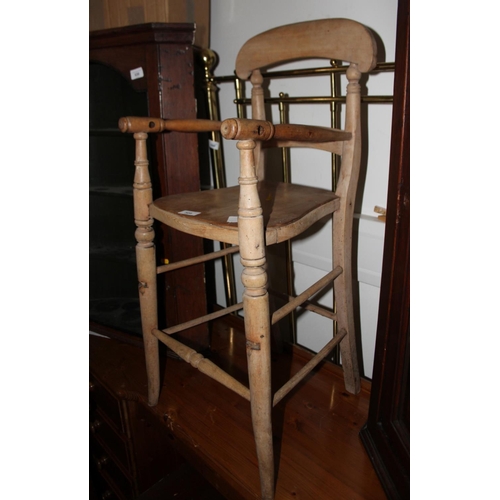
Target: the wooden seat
(288, 209)
(258, 213)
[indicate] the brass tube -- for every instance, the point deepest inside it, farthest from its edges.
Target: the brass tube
(219, 172)
(335, 122)
(238, 91)
(381, 67)
(369, 99)
(285, 161)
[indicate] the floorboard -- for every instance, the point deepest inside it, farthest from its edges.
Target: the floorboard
(318, 452)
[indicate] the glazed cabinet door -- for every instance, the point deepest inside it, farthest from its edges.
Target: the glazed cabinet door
(145, 70)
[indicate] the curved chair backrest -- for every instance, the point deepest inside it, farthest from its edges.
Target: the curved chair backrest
(332, 39)
(341, 39)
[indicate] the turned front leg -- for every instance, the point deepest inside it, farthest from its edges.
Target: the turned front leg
(257, 318)
(146, 266)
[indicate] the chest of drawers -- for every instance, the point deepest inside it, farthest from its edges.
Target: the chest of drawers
(111, 455)
(132, 453)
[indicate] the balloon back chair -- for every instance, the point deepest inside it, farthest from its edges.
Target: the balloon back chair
(267, 213)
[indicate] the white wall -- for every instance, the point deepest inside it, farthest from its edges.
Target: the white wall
(232, 23)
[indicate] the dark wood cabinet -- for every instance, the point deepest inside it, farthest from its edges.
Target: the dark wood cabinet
(146, 70)
(132, 456)
(386, 434)
(112, 465)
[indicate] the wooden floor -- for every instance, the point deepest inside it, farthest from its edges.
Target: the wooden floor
(318, 452)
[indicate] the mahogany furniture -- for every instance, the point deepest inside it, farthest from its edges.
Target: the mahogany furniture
(267, 213)
(131, 452)
(202, 427)
(386, 434)
(143, 69)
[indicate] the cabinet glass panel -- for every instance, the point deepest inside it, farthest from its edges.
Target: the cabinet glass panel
(112, 273)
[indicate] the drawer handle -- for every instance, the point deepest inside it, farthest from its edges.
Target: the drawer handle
(95, 425)
(101, 462)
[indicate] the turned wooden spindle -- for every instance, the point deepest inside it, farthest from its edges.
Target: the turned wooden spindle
(244, 129)
(146, 267)
(134, 124)
(261, 130)
(257, 317)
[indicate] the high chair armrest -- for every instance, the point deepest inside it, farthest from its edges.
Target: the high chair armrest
(244, 129)
(133, 124)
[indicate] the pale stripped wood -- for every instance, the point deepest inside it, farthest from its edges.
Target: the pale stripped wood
(332, 147)
(289, 210)
(308, 368)
(267, 213)
(197, 260)
(134, 124)
(203, 364)
(203, 319)
(257, 316)
(262, 130)
(322, 311)
(305, 295)
(146, 266)
(343, 228)
(334, 39)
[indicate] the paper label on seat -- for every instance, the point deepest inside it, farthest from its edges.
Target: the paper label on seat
(213, 144)
(232, 218)
(189, 212)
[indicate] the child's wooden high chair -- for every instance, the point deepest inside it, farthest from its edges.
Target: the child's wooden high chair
(267, 213)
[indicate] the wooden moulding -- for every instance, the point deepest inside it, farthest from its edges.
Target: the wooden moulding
(166, 15)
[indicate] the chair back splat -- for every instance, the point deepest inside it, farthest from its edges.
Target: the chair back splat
(268, 213)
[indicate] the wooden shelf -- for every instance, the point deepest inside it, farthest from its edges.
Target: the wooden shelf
(112, 190)
(115, 253)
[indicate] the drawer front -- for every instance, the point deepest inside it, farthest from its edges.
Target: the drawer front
(101, 398)
(108, 437)
(110, 471)
(101, 489)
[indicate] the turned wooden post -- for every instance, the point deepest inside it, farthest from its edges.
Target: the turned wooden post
(146, 265)
(343, 227)
(257, 318)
